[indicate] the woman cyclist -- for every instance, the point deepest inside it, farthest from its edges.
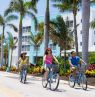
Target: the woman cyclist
(48, 61)
(23, 63)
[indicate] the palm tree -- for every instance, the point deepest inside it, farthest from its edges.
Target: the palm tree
(6, 54)
(46, 25)
(12, 44)
(71, 5)
(23, 8)
(36, 40)
(63, 32)
(5, 22)
(61, 35)
(85, 28)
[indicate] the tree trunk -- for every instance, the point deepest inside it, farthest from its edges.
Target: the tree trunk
(64, 58)
(36, 54)
(85, 28)
(6, 59)
(75, 33)
(46, 25)
(11, 58)
(20, 37)
(2, 49)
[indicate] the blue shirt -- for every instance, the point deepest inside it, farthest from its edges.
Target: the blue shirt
(74, 60)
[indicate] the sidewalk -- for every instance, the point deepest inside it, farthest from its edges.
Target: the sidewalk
(30, 77)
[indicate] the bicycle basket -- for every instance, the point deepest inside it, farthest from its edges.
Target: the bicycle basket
(82, 68)
(55, 68)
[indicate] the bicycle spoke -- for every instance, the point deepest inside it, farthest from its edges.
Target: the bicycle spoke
(72, 80)
(54, 82)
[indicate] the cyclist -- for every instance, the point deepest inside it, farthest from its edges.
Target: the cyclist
(48, 60)
(23, 63)
(75, 60)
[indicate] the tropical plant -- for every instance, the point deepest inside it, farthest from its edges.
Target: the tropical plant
(46, 24)
(36, 40)
(23, 8)
(71, 5)
(61, 35)
(6, 54)
(5, 22)
(12, 44)
(85, 28)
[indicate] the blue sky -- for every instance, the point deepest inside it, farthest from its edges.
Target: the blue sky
(27, 21)
(41, 7)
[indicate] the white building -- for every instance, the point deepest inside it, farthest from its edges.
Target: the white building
(27, 29)
(25, 43)
(79, 28)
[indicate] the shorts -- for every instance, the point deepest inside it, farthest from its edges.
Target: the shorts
(47, 66)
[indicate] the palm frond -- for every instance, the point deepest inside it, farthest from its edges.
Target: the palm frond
(33, 18)
(40, 27)
(92, 24)
(31, 6)
(13, 26)
(12, 43)
(1, 20)
(36, 39)
(8, 11)
(63, 7)
(11, 18)
(32, 40)
(59, 33)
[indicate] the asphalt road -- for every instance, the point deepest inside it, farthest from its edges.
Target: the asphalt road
(11, 87)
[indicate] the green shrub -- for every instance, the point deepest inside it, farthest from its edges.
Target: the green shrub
(39, 62)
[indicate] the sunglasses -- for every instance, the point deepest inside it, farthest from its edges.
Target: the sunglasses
(49, 50)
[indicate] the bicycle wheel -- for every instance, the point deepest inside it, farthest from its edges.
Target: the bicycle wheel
(72, 80)
(44, 81)
(54, 81)
(84, 82)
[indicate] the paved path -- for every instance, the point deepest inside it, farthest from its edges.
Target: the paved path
(11, 87)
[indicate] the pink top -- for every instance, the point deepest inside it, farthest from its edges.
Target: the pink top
(48, 59)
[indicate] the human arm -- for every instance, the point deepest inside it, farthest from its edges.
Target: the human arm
(70, 63)
(56, 60)
(82, 61)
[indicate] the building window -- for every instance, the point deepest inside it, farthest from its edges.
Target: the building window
(69, 23)
(80, 43)
(26, 29)
(94, 43)
(35, 48)
(26, 48)
(53, 46)
(22, 48)
(94, 32)
(15, 38)
(81, 20)
(25, 38)
(81, 32)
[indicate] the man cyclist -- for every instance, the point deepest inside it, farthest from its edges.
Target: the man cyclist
(75, 60)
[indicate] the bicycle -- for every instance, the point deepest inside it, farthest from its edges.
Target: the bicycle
(23, 74)
(52, 79)
(78, 76)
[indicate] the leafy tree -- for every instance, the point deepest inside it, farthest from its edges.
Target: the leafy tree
(5, 22)
(73, 6)
(36, 40)
(23, 8)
